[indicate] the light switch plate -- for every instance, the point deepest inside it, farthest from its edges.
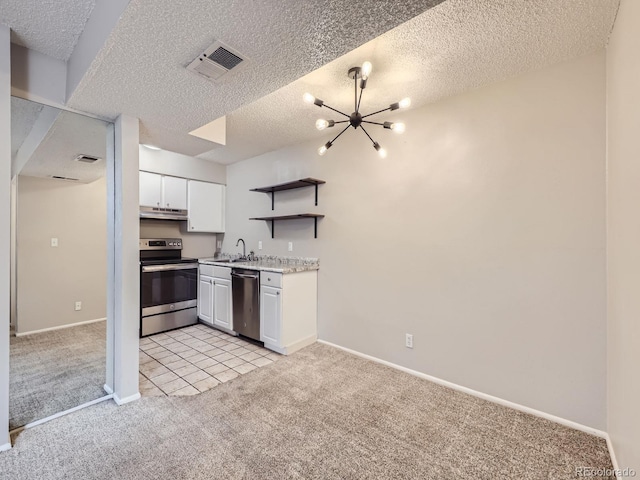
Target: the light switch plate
(54, 242)
(259, 244)
(291, 246)
(219, 244)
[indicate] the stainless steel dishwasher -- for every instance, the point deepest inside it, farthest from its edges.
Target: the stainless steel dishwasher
(245, 289)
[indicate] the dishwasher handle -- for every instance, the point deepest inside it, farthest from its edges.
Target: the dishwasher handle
(240, 275)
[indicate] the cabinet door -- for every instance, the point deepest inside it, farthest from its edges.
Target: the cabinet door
(174, 192)
(206, 207)
(150, 189)
(222, 314)
(270, 314)
(205, 299)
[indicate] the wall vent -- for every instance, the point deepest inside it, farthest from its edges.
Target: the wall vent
(216, 61)
(57, 177)
(87, 158)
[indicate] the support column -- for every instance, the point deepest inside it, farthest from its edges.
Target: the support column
(5, 230)
(124, 261)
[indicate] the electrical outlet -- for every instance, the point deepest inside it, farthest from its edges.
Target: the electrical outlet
(219, 244)
(54, 242)
(291, 246)
(78, 306)
(408, 340)
(260, 245)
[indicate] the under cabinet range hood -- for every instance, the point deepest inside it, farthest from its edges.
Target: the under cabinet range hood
(160, 213)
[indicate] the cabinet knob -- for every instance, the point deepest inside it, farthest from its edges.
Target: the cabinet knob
(277, 293)
(167, 204)
(268, 279)
(158, 203)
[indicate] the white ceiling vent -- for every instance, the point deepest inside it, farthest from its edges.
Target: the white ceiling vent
(87, 159)
(216, 61)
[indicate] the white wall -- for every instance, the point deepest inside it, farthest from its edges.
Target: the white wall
(482, 234)
(5, 228)
(38, 77)
(52, 279)
(623, 235)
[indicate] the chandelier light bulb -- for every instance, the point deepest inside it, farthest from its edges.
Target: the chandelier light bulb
(308, 98)
(323, 149)
(321, 124)
(405, 102)
(366, 70)
(398, 127)
(381, 151)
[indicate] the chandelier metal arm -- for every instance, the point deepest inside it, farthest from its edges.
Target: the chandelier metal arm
(359, 99)
(373, 123)
(367, 134)
(375, 113)
(355, 92)
(344, 130)
(337, 111)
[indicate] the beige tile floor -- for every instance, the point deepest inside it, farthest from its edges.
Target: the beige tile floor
(195, 359)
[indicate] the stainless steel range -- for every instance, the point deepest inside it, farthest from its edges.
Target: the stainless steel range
(168, 286)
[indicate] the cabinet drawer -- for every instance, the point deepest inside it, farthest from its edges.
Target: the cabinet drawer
(206, 270)
(271, 279)
(222, 272)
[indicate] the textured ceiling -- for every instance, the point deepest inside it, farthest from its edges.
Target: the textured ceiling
(456, 46)
(51, 27)
(141, 69)
(69, 135)
(23, 117)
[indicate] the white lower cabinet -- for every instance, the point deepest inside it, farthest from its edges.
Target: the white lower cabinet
(205, 298)
(222, 315)
(288, 310)
(270, 315)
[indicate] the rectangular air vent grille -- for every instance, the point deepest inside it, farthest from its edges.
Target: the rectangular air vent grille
(216, 61)
(225, 58)
(64, 178)
(87, 158)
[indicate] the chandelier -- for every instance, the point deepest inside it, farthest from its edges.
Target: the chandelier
(356, 119)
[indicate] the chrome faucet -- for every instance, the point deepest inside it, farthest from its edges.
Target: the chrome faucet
(244, 248)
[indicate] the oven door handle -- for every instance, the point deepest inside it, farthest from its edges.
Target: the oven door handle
(166, 268)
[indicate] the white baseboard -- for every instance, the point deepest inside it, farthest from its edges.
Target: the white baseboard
(122, 401)
(107, 389)
(60, 414)
(5, 447)
(60, 327)
(475, 393)
(612, 454)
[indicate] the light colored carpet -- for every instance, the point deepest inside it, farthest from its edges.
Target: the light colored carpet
(318, 414)
(53, 371)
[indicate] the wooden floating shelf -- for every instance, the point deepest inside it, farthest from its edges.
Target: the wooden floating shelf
(301, 183)
(315, 217)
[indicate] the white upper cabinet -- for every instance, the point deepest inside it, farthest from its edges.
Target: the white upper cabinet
(150, 189)
(162, 191)
(206, 206)
(174, 192)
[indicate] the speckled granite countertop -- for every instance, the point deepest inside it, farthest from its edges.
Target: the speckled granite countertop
(262, 265)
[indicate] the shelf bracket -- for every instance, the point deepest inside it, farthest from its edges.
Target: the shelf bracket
(316, 194)
(273, 231)
(273, 196)
(315, 225)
